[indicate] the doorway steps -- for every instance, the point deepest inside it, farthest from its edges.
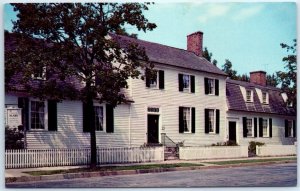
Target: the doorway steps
(171, 153)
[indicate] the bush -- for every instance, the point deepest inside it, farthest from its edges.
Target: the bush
(252, 147)
(227, 143)
(14, 138)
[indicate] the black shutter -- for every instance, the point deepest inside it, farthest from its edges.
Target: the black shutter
(161, 77)
(217, 121)
(216, 87)
(270, 127)
(109, 119)
(23, 102)
(206, 85)
(86, 115)
(193, 84)
(193, 119)
(206, 119)
(147, 78)
(260, 125)
(294, 129)
(245, 130)
(52, 115)
(181, 128)
(180, 81)
(286, 128)
(255, 127)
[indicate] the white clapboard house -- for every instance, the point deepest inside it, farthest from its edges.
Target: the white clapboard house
(191, 102)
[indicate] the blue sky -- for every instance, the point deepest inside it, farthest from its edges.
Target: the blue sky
(248, 34)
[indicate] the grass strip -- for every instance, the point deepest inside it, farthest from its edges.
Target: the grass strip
(110, 168)
(250, 161)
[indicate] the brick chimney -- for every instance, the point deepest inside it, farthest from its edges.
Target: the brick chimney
(194, 43)
(258, 77)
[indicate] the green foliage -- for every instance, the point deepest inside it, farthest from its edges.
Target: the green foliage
(252, 147)
(227, 143)
(14, 139)
(272, 80)
(227, 68)
(208, 56)
(288, 78)
(76, 44)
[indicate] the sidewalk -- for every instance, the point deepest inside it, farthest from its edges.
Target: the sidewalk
(18, 175)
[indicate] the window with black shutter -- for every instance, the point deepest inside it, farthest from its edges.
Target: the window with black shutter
(180, 82)
(206, 120)
(212, 121)
(255, 127)
(245, 130)
(216, 87)
(109, 119)
(192, 84)
(52, 115)
(180, 118)
(260, 125)
(193, 120)
(270, 127)
(217, 121)
(161, 77)
(23, 102)
(211, 86)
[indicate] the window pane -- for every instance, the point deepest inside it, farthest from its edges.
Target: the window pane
(186, 119)
(37, 115)
(186, 81)
(265, 127)
(211, 86)
(98, 118)
(211, 121)
(248, 95)
(249, 127)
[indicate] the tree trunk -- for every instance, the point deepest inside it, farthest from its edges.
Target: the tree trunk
(90, 106)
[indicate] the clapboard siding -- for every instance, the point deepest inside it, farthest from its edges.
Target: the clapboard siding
(169, 100)
(278, 129)
(70, 134)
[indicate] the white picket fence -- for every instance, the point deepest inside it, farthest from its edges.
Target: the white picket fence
(27, 158)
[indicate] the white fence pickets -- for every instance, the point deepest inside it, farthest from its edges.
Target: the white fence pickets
(26, 158)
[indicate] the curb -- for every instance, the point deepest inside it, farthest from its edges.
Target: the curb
(130, 172)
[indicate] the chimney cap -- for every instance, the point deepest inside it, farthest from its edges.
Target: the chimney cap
(259, 71)
(197, 32)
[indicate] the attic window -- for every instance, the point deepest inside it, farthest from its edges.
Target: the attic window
(249, 95)
(265, 98)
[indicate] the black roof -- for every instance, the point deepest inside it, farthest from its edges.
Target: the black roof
(236, 102)
(171, 56)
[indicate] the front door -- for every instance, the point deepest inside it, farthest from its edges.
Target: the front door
(153, 128)
(232, 131)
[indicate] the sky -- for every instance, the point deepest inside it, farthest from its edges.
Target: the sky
(248, 34)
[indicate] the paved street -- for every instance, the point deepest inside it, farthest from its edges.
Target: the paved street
(266, 175)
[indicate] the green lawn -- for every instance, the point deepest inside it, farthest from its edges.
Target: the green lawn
(111, 168)
(251, 161)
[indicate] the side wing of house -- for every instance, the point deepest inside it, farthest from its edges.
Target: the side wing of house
(60, 125)
(259, 113)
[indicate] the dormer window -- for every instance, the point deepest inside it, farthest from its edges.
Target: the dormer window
(40, 74)
(249, 95)
(265, 97)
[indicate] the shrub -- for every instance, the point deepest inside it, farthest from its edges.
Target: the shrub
(227, 143)
(14, 138)
(252, 147)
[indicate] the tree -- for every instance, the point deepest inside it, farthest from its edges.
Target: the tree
(70, 41)
(272, 80)
(288, 78)
(208, 55)
(227, 68)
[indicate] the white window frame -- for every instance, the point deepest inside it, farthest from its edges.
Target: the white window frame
(252, 127)
(268, 127)
(186, 89)
(45, 115)
(214, 121)
(99, 106)
(291, 128)
(189, 128)
(251, 96)
(211, 86)
(40, 76)
(104, 117)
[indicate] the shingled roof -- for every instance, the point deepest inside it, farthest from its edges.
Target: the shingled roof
(236, 102)
(163, 54)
